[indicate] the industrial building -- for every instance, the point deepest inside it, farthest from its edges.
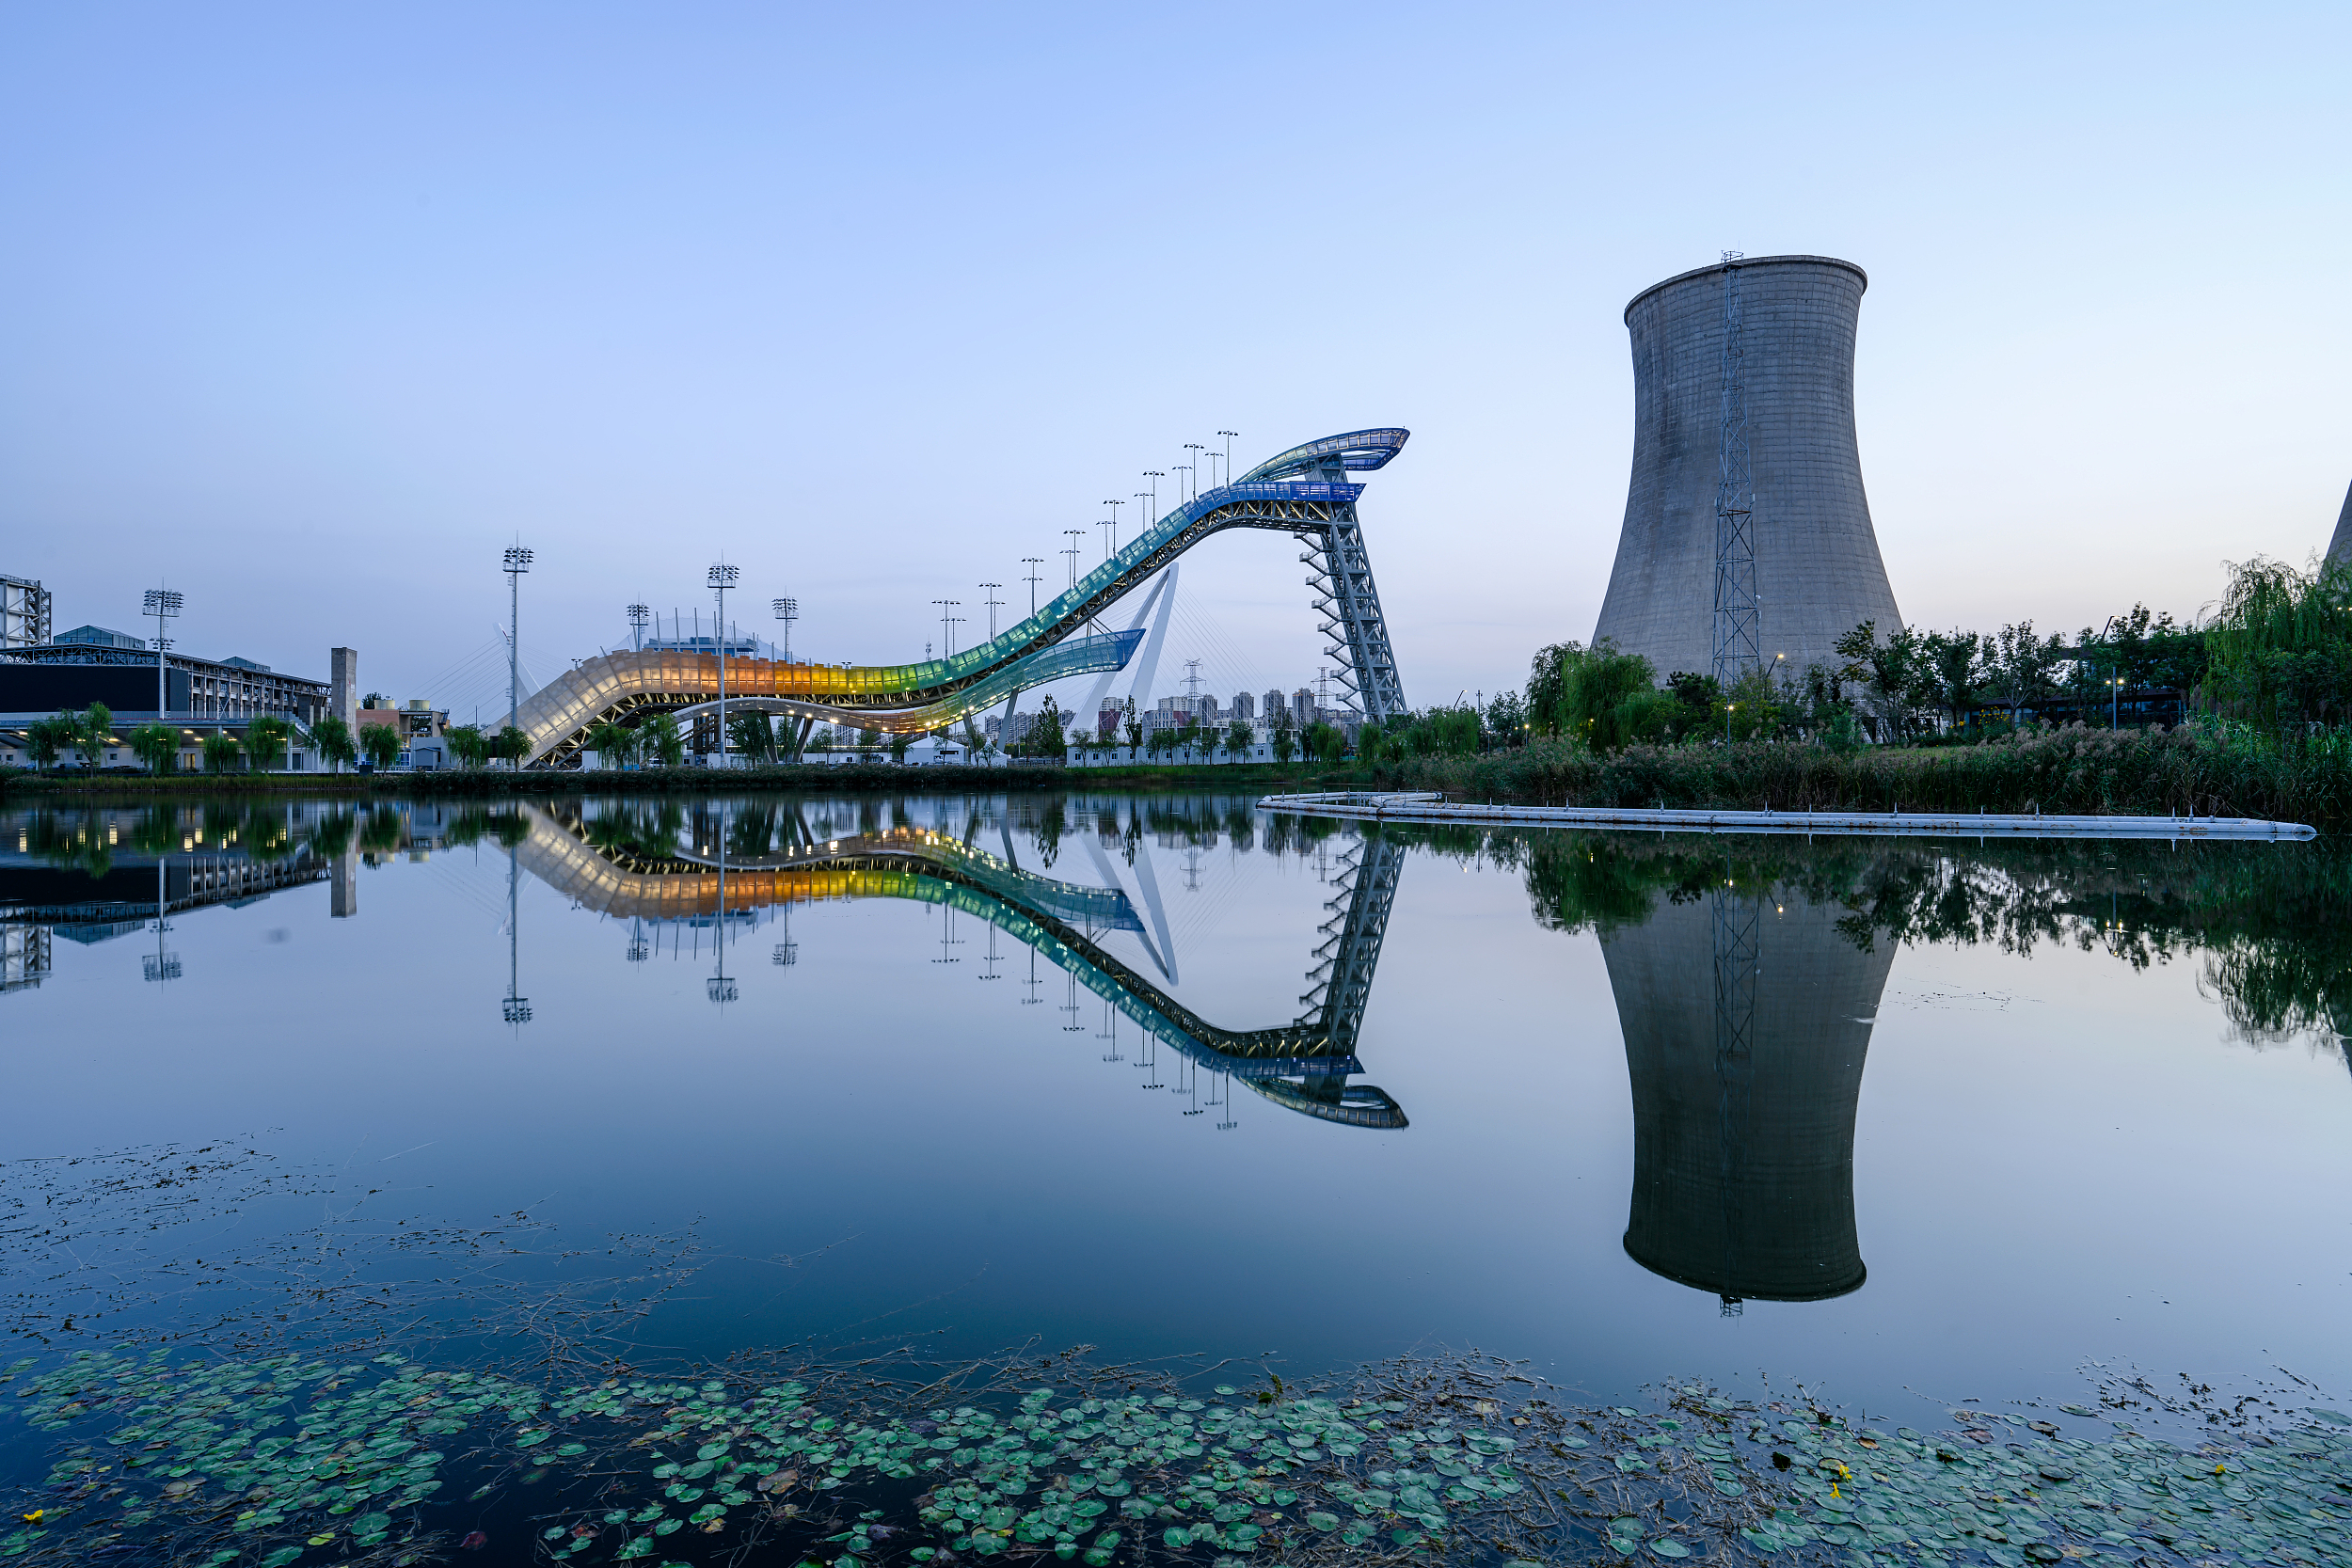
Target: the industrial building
(1745, 521)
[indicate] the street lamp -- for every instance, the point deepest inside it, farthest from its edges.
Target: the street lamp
(163, 604)
(946, 638)
(518, 562)
(1114, 549)
(1228, 436)
(1033, 563)
(1154, 475)
(994, 604)
(721, 578)
(1193, 468)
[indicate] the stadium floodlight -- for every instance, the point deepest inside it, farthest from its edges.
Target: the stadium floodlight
(163, 604)
(788, 611)
(637, 616)
(518, 562)
(721, 578)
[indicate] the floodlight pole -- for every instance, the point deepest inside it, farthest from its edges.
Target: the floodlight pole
(721, 578)
(1033, 563)
(946, 638)
(1228, 436)
(1114, 506)
(163, 604)
(788, 611)
(638, 616)
(994, 604)
(518, 562)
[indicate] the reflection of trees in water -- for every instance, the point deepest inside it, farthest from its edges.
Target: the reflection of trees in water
(2272, 924)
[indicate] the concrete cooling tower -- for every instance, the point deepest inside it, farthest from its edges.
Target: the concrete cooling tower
(1745, 1028)
(2339, 547)
(1817, 567)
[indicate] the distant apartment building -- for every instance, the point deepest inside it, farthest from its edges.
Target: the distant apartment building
(1302, 708)
(1245, 706)
(1275, 706)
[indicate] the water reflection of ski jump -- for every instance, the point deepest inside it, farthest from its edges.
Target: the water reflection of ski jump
(1305, 1065)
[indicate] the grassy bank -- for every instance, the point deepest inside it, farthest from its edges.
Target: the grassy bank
(860, 778)
(2075, 769)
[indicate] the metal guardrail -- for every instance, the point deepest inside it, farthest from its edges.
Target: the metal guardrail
(1404, 806)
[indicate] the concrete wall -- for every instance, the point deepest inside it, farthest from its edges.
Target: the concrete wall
(1817, 570)
(1743, 1171)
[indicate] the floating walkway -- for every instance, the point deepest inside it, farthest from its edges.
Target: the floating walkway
(1430, 807)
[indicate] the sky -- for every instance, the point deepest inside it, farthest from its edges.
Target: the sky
(310, 311)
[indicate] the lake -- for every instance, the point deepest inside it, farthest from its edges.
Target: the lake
(1877, 1129)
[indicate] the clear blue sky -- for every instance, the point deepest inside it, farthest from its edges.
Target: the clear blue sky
(315, 308)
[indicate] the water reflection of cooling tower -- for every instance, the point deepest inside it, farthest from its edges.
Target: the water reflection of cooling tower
(1745, 1036)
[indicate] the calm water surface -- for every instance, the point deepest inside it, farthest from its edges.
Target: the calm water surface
(1169, 1074)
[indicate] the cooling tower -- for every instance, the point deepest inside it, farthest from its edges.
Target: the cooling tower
(2339, 547)
(1746, 1027)
(1817, 572)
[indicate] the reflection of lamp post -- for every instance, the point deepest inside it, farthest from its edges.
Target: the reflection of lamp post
(517, 1008)
(163, 965)
(720, 988)
(163, 604)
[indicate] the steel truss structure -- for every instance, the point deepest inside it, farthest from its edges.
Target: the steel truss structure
(1739, 646)
(1303, 492)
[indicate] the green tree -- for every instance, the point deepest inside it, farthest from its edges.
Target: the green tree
(466, 742)
(2280, 645)
(613, 743)
(1237, 739)
(265, 740)
(1896, 674)
(1325, 742)
(663, 741)
(93, 728)
(510, 745)
(2020, 667)
(899, 741)
(1046, 736)
(1285, 740)
(221, 751)
(1506, 721)
(1606, 699)
(155, 744)
(42, 737)
(754, 735)
(1955, 660)
(1131, 721)
(380, 744)
(334, 742)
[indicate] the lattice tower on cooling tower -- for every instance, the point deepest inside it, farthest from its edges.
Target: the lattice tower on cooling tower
(1803, 566)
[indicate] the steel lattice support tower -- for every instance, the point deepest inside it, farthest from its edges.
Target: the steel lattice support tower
(1736, 645)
